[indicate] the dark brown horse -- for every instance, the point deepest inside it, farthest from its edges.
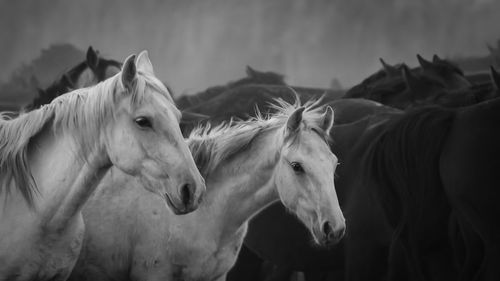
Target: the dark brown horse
(444, 71)
(402, 87)
(435, 166)
(387, 77)
(420, 92)
(412, 89)
(254, 77)
(91, 71)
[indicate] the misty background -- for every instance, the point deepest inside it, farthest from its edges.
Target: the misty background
(197, 44)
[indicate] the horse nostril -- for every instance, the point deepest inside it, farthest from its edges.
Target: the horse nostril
(327, 229)
(186, 195)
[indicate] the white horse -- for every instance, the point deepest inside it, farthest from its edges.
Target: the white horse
(247, 166)
(53, 158)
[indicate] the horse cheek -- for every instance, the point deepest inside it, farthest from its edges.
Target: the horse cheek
(126, 154)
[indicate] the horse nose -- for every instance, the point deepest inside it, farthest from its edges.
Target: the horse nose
(327, 229)
(332, 235)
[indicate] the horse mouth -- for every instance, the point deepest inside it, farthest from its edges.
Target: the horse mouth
(172, 206)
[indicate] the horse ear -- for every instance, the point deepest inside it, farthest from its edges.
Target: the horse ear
(436, 59)
(495, 78)
(92, 58)
(390, 70)
(425, 64)
(251, 72)
(410, 79)
(328, 119)
(129, 72)
(294, 121)
(144, 64)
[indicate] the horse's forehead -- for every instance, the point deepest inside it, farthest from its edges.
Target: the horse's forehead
(310, 143)
(161, 105)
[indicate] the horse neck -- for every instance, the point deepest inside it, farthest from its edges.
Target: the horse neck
(64, 179)
(76, 71)
(352, 137)
(345, 136)
(238, 189)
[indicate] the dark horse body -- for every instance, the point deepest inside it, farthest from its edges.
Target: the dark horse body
(242, 101)
(420, 196)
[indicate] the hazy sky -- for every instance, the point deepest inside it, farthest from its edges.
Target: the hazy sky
(195, 44)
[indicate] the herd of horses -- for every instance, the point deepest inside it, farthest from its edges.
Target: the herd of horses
(394, 179)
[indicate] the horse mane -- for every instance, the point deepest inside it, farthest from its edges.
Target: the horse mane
(445, 66)
(212, 145)
(81, 114)
(405, 153)
(402, 159)
(455, 98)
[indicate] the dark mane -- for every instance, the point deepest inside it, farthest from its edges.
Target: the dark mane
(444, 66)
(102, 66)
(59, 87)
(358, 90)
(405, 154)
(403, 161)
(66, 83)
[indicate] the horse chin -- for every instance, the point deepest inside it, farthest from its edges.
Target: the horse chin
(170, 204)
(318, 238)
(156, 187)
(323, 242)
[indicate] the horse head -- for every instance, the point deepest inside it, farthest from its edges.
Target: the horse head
(443, 71)
(144, 139)
(305, 171)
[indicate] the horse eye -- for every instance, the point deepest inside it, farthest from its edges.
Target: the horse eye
(297, 167)
(143, 122)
